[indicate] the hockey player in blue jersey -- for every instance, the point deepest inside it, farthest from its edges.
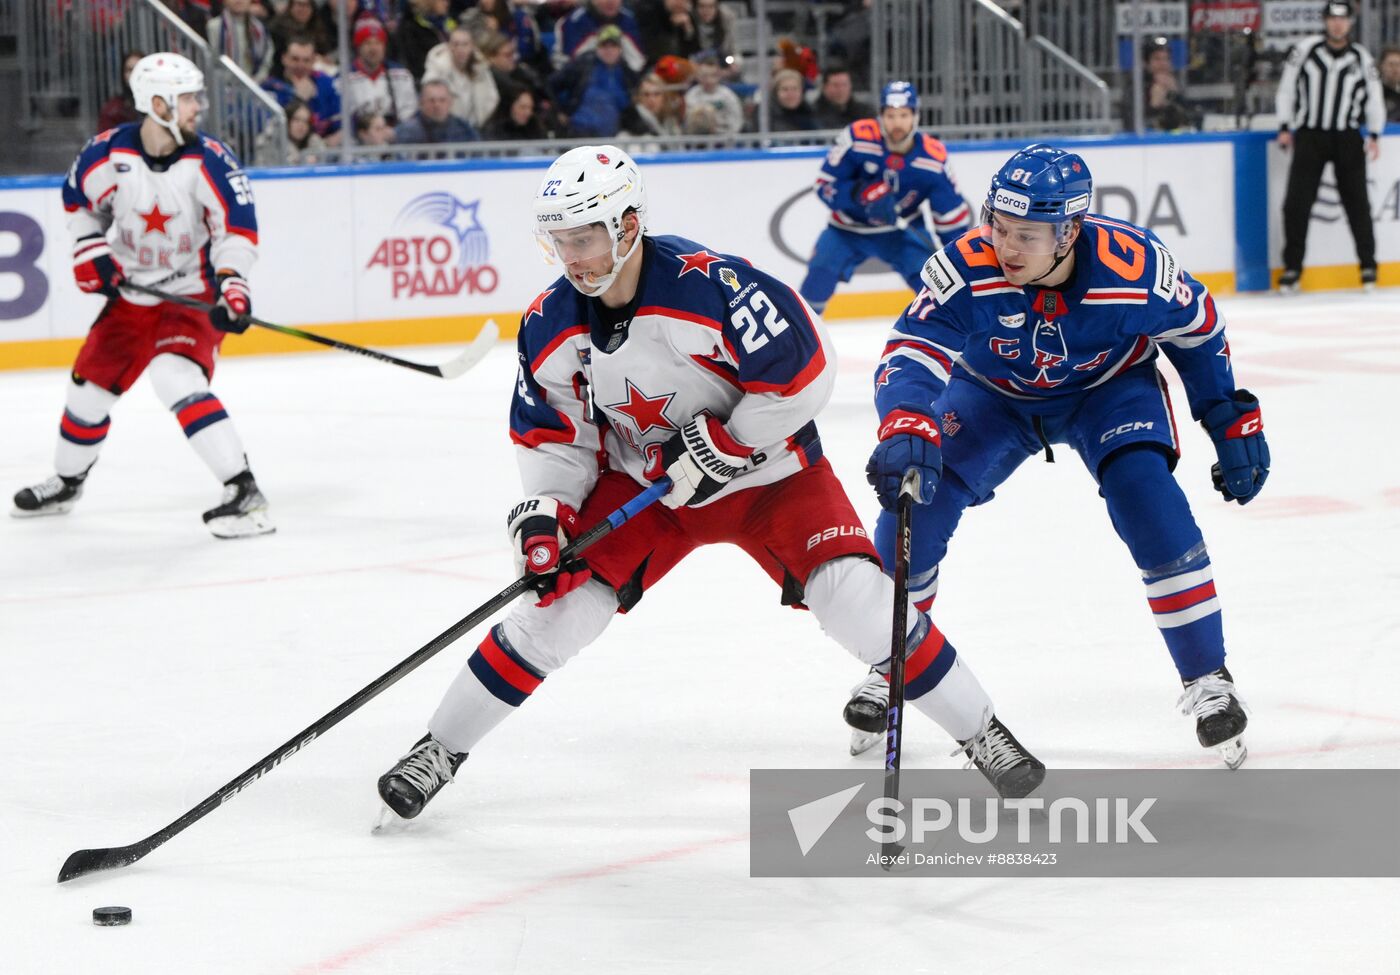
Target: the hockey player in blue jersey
(876, 180)
(1041, 327)
(652, 356)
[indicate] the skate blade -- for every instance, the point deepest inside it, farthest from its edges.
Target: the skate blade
(863, 741)
(248, 525)
(62, 508)
(1233, 753)
(388, 822)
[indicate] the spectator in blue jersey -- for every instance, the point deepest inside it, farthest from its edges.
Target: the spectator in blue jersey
(789, 111)
(579, 32)
(878, 176)
(300, 80)
(595, 88)
(374, 84)
(243, 38)
(837, 107)
(435, 122)
(423, 27)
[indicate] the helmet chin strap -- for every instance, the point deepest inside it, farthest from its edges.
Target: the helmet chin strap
(170, 125)
(605, 281)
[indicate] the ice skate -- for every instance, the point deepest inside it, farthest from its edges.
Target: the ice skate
(1368, 279)
(866, 711)
(995, 752)
(1288, 282)
(243, 512)
(418, 776)
(1220, 716)
(56, 496)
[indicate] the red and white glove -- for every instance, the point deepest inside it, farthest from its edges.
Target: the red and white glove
(235, 303)
(94, 267)
(700, 461)
(539, 528)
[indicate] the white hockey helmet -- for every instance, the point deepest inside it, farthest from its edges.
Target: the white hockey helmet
(585, 186)
(169, 76)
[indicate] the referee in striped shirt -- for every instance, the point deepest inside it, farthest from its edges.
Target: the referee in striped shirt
(1328, 88)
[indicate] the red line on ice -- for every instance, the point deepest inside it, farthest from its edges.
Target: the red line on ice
(488, 904)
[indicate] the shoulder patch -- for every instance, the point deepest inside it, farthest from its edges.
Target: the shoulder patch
(942, 277)
(935, 149)
(866, 129)
(1164, 281)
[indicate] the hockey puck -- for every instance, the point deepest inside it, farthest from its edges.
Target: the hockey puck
(111, 916)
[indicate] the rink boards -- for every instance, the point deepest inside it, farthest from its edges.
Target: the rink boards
(409, 253)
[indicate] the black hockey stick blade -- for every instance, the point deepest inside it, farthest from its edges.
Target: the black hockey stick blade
(474, 353)
(84, 862)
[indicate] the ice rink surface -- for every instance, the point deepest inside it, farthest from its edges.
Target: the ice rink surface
(603, 827)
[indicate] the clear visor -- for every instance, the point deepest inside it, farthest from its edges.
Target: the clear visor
(1013, 234)
(575, 244)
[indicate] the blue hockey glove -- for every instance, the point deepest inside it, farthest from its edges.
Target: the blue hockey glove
(1237, 429)
(908, 439)
(879, 203)
(700, 461)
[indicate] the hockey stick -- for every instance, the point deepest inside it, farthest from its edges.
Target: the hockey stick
(451, 369)
(89, 861)
(894, 717)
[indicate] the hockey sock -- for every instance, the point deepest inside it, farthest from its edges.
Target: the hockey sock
(1151, 515)
(184, 389)
(83, 427)
(514, 659)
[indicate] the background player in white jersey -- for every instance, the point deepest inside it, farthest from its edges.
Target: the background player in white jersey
(160, 204)
(656, 356)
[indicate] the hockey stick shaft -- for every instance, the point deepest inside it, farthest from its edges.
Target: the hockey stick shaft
(206, 307)
(89, 861)
(894, 716)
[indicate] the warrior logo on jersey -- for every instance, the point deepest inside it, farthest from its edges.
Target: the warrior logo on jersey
(439, 249)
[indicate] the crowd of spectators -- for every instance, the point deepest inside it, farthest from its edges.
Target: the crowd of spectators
(423, 72)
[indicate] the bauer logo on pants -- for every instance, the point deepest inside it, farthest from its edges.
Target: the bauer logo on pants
(438, 249)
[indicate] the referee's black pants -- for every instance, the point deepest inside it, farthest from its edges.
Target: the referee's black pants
(1313, 149)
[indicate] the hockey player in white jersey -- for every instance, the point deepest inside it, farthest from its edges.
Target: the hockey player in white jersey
(652, 356)
(160, 204)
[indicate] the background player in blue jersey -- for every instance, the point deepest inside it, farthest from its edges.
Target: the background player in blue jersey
(1042, 327)
(654, 355)
(160, 204)
(876, 179)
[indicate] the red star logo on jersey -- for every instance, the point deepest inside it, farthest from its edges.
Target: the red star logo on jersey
(537, 306)
(647, 412)
(155, 220)
(699, 261)
(885, 375)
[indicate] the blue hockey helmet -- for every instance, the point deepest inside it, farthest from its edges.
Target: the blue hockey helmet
(899, 94)
(1042, 184)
